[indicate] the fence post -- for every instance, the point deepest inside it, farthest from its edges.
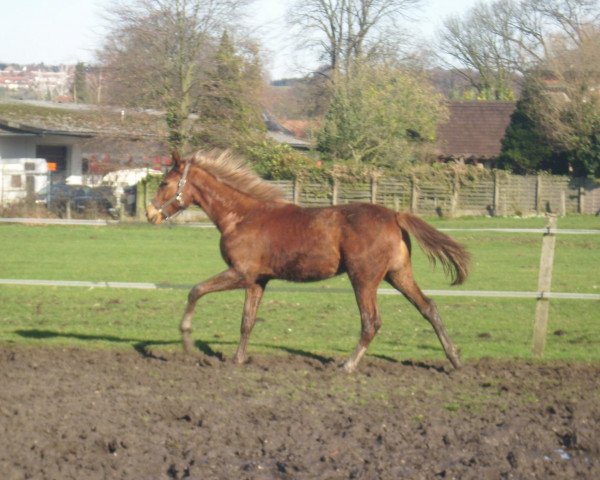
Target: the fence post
(334, 191)
(538, 194)
(580, 199)
(414, 194)
(496, 199)
(542, 306)
(296, 191)
(141, 211)
(455, 193)
(373, 189)
(563, 203)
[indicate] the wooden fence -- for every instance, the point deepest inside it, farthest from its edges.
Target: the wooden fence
(500, 194)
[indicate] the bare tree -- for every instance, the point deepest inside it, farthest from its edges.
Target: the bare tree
(343, 31)
(158, 52)
(565, 103)
(480, 42)
(508, 38)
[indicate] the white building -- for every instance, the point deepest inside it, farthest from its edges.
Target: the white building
(21, 178)
(61, 149)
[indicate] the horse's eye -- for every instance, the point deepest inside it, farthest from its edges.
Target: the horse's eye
(162, 184)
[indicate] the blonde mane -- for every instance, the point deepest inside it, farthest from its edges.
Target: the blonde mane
(234, 171)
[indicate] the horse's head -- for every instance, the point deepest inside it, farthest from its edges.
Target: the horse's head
(170, 196)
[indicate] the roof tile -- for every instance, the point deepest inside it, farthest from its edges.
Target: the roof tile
(474, 128)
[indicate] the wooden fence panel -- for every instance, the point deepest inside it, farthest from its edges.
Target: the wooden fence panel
(353, 193)
(315, 194)
(434, 198)
(502, 194)
(476, 198)
(591, 190)
(517, 195)
(554, 195)
(287, 187)
(394, 194)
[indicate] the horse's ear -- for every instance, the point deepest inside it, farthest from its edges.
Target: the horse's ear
(176, 157)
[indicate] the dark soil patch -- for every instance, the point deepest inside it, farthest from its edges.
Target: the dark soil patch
(87, 414)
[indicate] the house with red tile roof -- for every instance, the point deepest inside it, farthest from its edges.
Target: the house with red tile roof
(474, 130)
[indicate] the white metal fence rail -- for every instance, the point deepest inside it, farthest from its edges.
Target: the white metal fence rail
(381, 291)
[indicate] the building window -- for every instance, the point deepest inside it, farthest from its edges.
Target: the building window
(16, 181)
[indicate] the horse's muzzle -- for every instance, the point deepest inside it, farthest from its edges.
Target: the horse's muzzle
(153, 214)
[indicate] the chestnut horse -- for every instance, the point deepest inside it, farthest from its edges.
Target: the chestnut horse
(263, 237)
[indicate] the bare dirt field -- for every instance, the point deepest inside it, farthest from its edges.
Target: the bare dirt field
(94, 414)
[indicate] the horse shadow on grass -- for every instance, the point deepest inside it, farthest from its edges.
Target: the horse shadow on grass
(145, 347)
(292, 351)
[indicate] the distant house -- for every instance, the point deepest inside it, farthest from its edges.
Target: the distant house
(281, 134)
(81, 143)
(61, 149)
(298, 128)
(474, 131)
(37, 80)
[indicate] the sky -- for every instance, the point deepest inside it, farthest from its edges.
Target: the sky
(69, 31)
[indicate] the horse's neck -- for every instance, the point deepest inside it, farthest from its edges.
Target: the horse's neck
(224, 205)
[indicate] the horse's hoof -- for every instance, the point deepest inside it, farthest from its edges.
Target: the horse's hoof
(188, 347)
(187, 341)
(348, 367)
(455, 361)
(240, 361)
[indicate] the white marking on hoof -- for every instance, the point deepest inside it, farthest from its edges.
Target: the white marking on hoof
(349, 366)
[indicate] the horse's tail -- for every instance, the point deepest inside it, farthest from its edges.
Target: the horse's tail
(437, 245)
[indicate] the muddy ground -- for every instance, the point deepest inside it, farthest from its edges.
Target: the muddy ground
(93, 414)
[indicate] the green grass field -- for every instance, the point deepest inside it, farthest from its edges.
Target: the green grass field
(315, 319)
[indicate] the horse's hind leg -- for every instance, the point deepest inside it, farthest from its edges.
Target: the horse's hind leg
(254, 294)
(404, 282)
(366, 297)
(227, 280)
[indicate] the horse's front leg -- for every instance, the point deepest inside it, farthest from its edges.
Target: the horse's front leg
(227, 280)
(254, 294)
